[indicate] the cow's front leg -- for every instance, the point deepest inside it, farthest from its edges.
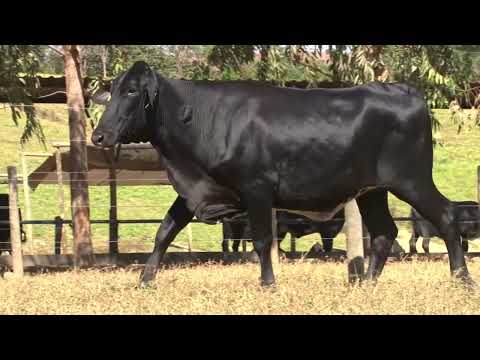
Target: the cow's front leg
(178, 216)
(260, 216)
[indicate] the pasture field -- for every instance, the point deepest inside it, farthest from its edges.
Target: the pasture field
(455, 167)
(305, 287)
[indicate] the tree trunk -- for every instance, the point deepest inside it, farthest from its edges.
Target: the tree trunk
(83, 249)
(104, 61)
(355, 254)
(179, 60)
(82, 60)
(263, 66)
(373, 55)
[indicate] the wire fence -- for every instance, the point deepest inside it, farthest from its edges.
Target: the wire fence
(140, 232)
(135, 239)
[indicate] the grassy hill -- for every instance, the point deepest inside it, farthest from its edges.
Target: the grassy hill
(455, 168)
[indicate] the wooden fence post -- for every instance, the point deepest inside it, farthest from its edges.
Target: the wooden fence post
(478, 183)
(355, 253)
(58, 235)
(26, 195)
(61, 202)
(17, 256)
(113, 233)
(478, 189)
(190, 237)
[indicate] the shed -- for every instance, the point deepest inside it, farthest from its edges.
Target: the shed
(137, 164)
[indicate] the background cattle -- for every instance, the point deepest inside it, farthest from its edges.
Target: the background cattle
(287, 223)
(5, 244)
(297, 226)
(466, 213)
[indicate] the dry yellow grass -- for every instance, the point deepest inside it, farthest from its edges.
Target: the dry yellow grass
(416, 287)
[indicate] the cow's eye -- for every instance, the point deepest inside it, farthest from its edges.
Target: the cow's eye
(132, 91)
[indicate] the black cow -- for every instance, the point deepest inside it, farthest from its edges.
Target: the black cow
(5, 243)
(297, 225)
(240, 148)
(467, 215)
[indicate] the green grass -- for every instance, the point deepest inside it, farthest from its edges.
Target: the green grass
(455, 167)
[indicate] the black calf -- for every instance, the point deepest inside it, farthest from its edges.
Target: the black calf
(467, 216)
(5, 244)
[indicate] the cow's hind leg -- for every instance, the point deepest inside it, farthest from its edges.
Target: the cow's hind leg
(465, 245)
(236, 245)
(327, 240)
(426, 245)
(437, 209)
(378, 220)
(260, 216)
(413, 243)
(178, 216)
(225, 247)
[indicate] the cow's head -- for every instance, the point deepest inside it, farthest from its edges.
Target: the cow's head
(132, 96)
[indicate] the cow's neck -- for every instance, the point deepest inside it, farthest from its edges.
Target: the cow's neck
(175, 106)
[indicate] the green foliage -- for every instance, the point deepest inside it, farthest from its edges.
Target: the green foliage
(466, 120)
(472, 53)
(231, 56)
(442, 72)
(51, 63)
(16, 60)
(437, 70)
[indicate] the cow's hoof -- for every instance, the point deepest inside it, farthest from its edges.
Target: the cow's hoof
(469, 283)
(145, 285)
(316, 248)
(355, 279)
(253, 257)
(266, 283)
(147, 275)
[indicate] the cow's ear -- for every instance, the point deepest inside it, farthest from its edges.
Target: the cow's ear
(152, 86)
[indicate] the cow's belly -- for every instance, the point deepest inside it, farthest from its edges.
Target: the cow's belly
(316, 215)
(325, 214)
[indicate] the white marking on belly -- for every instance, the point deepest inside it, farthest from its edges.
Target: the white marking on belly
(325, 215)
(316, 215)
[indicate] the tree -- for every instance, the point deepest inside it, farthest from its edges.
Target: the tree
(18, 67)
(83, 249)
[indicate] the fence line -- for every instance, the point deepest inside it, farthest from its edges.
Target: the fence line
(195, 221)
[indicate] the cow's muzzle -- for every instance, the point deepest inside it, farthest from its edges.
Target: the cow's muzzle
(104, 139)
